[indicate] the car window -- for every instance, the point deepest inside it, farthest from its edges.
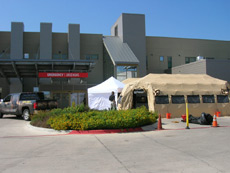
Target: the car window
(8, 98)
(31, 96)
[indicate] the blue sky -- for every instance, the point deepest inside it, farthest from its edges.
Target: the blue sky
(204, 19)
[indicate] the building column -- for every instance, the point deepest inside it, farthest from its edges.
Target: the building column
(46, 41)
(74, 42)
(16, 44)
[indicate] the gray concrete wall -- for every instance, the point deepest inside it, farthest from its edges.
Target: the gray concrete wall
(179, 48)
(216, 68)
(198, 67)
(16, 47)
(15, 85)
(5, 45)
(5, 87)
(31, 44)
(45, 40)
(219, 69)
(29, 84)
(92, 44)
(60, 46)
(74, 42)
(119, 25)
(131, 30)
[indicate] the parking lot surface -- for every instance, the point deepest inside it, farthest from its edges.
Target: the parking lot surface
(175, 149)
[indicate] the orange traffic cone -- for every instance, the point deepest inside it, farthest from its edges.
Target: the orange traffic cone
(214, 123)
(159, 127)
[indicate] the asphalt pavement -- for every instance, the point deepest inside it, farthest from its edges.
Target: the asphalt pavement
(175, 149)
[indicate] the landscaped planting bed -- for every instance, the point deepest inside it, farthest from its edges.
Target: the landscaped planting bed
(81, 118)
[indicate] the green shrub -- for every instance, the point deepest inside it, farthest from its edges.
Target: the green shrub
(102, 119)
(41, 117)
(81, 118)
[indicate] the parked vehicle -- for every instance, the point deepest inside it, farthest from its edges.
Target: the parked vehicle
(25, 104)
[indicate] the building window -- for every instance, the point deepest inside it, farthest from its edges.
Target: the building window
(189, 59)
(26, 55)
(124, 72)
(161, 58)
(169, 62)
(209, 58)
(162, 99)
(222, 99)
(179, 99)
(193, 98)
(91, 57)
(116, 31)
(208, 99)
(60, 56)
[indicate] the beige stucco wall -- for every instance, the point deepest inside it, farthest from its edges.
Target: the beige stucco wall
(179, 48)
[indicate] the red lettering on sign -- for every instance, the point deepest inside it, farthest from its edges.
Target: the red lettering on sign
(62, 75)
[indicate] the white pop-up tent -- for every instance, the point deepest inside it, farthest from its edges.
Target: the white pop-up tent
(98, 96)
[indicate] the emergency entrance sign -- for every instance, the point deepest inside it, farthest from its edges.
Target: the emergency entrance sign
(62, 75)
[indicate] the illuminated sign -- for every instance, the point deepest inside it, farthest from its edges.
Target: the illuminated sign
(62, 75)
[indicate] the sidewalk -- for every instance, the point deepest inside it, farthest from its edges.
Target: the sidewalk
(176, 124)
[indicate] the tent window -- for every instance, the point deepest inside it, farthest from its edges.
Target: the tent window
(208, 99)
(162, 99)
(179, 99)
(193, 98)
(222, 99)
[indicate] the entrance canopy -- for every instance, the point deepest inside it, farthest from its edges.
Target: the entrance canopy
(24, 68)
(98, 96)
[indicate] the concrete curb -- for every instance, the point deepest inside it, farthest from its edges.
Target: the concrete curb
(48, 130)
(105, 131)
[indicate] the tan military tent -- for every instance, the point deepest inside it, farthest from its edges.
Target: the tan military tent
(129, 80)
(167, 93)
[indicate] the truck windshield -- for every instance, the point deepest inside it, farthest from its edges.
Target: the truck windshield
(32, 96)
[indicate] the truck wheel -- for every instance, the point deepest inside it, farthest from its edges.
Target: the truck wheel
(1, 115)
(26, 114)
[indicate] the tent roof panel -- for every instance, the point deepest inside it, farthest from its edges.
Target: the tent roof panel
(107, 86)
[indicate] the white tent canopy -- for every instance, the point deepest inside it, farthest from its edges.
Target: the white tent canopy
(98, 96)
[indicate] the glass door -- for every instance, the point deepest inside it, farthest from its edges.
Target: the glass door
(66, 99)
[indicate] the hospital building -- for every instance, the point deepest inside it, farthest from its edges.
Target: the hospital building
(64, 65)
